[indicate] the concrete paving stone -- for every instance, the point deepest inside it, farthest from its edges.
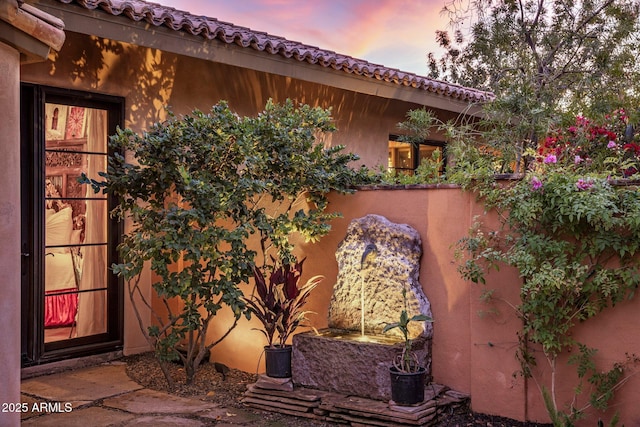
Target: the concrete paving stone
(37, 406)
(230, 416)
(155, 402)
(29, 401)
(93, 416)
(230, 424)
(91, 384)
(163, 421)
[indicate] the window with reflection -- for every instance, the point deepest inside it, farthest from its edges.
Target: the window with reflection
(405, 157)
(76, 261)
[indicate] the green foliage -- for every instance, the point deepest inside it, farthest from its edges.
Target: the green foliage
(541, 59)
(198, 187)
(294, 173)
(603, 384)
(573, 233)
(428, 172)
(567, 226)
(417, 125)
(554, 415)
(406, 361)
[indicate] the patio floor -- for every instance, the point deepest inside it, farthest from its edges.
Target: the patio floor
(105, 396)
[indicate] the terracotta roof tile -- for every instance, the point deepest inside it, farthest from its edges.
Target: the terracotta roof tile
(40, 25)
(211, 28)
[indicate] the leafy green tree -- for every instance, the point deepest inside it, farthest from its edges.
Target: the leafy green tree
(195, 189)
(294, 173)
(542, 59)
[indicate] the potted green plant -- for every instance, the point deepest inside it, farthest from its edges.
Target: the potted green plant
(407, 375)
(278, 305)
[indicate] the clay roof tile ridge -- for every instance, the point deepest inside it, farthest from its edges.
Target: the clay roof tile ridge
(212, 28)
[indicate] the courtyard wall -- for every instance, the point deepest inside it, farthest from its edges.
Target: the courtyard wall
(472, 353)
(150, 79)
(474, 342)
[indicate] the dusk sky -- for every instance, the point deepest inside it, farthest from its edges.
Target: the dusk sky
(394, 33)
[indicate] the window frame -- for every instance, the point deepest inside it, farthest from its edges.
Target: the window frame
(414, 148)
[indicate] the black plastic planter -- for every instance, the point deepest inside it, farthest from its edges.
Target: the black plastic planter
(407, 388)
(278, 361)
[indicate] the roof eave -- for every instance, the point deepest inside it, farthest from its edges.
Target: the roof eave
(121, 28)
(29, 30)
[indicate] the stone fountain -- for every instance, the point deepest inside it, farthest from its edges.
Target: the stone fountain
(376, 260)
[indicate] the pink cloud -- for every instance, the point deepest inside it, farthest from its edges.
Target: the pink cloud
(394, 33)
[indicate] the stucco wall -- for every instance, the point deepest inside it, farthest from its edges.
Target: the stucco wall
(10, 258)
(474, 343)
(150, 80)
(468, 354)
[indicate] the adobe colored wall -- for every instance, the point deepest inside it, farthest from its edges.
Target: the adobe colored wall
(150, 79)
(474, 343)
(468, 355)
(472, 353)
(10, 258)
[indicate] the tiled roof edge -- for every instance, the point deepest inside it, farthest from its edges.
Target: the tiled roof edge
(211, 28)
(40, 25)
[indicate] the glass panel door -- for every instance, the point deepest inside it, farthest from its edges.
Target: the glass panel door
(72, 301)
(75, 267)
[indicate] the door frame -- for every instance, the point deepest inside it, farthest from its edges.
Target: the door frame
(34, 351)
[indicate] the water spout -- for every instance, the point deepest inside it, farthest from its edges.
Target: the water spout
(369, 249)
(370, 252)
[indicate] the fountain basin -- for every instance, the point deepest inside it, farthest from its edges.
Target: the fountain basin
(346, 335)
(344, 362)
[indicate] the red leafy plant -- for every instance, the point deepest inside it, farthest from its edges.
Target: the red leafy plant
(279, 304)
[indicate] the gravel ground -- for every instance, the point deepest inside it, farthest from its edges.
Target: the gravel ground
(210, 385)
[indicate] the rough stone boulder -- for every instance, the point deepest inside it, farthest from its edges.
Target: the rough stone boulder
(351, 367)
(377, 260)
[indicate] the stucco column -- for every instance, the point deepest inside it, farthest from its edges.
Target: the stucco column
(10, 232)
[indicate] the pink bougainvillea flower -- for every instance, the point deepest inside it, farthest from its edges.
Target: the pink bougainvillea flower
(584, 184)
(577, 160)
(551, 158)
(536, 184)
(581, 121)
(612, 144)
(622, 115)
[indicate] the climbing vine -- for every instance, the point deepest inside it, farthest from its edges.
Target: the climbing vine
(571, 227)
